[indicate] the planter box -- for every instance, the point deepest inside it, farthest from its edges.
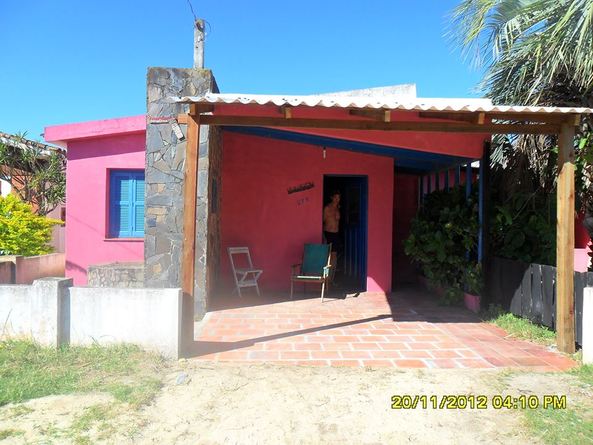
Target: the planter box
(472, 302)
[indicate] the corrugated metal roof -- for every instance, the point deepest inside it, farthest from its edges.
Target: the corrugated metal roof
(23, 143)
(376, 102)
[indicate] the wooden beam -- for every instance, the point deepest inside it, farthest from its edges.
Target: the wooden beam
(378, 115)
(482, 117)
(182, 118)
(446, 127)
(286, 111)
(190, 191)
(565, 327)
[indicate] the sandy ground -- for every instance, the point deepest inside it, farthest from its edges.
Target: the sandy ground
(260, 404)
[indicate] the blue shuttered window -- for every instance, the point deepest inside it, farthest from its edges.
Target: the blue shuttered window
(126, 204)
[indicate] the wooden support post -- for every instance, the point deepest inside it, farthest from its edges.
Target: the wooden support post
(420, 191)
(446, 173)
(481, 211)
(190, 192)
(468, 192)
(457, 175)
(485, 224)
(565, 325)
(437, 181)
(468, 180)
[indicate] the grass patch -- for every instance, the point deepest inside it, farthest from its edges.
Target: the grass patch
(96, 419)
(584, 373)
(30, 371)
(5, 434)
(519, 327)
(561, 426)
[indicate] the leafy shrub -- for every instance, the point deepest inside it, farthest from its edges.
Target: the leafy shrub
(523, 228)
(22, 232)
(441, 235)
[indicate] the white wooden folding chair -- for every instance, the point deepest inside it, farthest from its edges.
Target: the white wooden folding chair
(244, 276)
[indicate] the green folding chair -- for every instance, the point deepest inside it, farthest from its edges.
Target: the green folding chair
(315, 268)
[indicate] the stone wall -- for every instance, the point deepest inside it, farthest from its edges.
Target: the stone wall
(127, 275)
(165, 159)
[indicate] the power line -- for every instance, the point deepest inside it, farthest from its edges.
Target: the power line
(192, 10)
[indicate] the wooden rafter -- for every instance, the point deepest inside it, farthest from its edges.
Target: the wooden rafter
(378, 115)
(421, 126)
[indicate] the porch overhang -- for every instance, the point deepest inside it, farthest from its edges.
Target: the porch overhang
(387, 113)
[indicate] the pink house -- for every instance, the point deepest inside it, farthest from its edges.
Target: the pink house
(258, 209)
(97, 151)
(273, 186)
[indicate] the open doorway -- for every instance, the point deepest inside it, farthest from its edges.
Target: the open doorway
(351, 261)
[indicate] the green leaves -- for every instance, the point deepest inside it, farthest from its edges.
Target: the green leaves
(37, 174)
(442, 233)
(22, 232)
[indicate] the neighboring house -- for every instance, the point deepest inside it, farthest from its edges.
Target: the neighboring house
(104, 190)
(58, 233)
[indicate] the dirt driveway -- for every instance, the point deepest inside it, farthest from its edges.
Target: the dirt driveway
(215, 403)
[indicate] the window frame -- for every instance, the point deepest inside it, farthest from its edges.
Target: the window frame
(133, 175)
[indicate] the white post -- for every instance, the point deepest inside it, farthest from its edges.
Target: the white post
(588, 326)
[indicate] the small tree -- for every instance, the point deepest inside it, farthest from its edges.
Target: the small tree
(35, 171)
(22, 232)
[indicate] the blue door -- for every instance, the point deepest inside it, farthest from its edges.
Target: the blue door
(352, 263)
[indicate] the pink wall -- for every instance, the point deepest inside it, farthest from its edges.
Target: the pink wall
(89, 161)
(405, 206)
(258, 212)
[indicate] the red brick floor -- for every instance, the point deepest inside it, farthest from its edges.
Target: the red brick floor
(407, 331)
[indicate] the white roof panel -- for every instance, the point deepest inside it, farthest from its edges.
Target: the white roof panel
(385, 102)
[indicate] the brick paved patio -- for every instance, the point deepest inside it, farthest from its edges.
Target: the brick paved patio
(409, 331)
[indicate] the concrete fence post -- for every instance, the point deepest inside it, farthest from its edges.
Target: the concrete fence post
(588, 326)
(49, 317)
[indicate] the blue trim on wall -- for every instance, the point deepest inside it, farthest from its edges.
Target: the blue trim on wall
(408, 159)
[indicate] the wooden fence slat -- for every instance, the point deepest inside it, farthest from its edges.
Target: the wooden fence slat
(548, 274)
(493, 282)
(526, 293)
(536, 293)
(579, 287)
(513, 279)
(529, 291)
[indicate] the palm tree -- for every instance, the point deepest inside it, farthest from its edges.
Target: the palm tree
(537, 52)
(534, 52)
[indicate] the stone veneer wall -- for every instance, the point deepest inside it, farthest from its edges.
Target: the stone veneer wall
(165, 163)
(129, 275)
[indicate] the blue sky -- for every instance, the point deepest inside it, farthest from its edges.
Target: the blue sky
(75, 60)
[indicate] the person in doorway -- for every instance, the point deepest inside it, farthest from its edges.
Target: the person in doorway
(331, 227)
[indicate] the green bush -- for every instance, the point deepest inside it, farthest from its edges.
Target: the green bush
(523, 228)
(22, 232)
(441, 235)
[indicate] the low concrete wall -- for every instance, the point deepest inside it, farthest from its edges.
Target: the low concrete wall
(17, 269)
(52, 312)
(35, 311)
(150, 318)
(7, 272)
(116, 275)
(31, 268)
(15, 311)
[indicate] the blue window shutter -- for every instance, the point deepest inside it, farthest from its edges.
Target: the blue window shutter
(126, 204)
(137, 214)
